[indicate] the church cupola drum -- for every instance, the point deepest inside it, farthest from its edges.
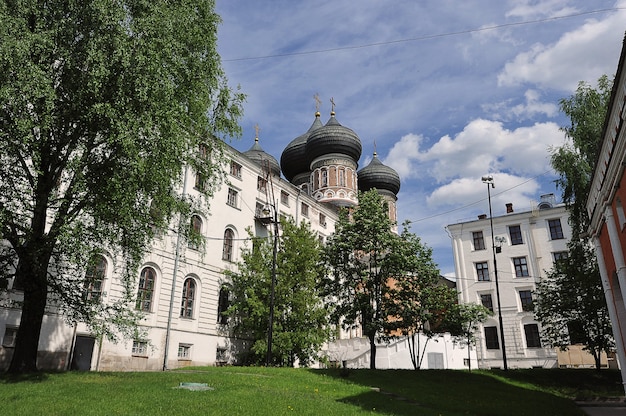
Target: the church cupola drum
(333, 152)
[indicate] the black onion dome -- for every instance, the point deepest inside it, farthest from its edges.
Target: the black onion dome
(379, 176)
(293, 161)
(333, 138)
(260, 157)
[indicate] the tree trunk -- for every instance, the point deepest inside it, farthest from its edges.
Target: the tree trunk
(469, 354)
(372, 339)
(32, 270)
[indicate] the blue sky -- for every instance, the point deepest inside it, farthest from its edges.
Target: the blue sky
(445, 90)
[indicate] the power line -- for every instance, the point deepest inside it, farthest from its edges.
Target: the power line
(426, 37)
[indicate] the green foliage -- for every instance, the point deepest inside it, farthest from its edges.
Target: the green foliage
(571, 305)
(572, 295)
(464, 321)
(382, 281)
(300, 324)
(102, 104)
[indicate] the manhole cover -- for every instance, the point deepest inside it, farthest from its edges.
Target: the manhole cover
(194, 386)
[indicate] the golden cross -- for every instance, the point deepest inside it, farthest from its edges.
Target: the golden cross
(332, 102)
(257, 130)
(316, 97)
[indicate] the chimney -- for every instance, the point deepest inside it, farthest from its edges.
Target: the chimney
(509, 208)
(482, 217)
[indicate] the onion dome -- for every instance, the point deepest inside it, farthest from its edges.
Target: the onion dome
(260, 157)
(379, 176)
(333, 138)
(294, 161)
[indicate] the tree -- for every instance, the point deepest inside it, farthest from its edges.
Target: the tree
(300, 324)
(464, 322)
(370, 266)
(420, 302)
(572, 297)
(102, 105)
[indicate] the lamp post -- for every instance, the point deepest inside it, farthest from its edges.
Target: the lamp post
(269, 216)
(489, 181)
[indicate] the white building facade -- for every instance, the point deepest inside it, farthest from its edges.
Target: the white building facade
(527, 244)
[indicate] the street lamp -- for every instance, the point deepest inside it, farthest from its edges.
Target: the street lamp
(489, 181)
(271, 217)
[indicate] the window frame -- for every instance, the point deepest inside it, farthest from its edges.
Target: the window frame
(532, 335)
(195, 231)
(223, 303)
(95, 275)
(515, 234)
(284, 198)
(9, 337)
(184, 351)
(228, 245)
(478, 240)
(235, 169)
(556, 229)
(526, 300)
(188, 298)
(304, 210)
(521, 266)
(492, 342)
(261, 184)
(232, 199)
(140, 348)
(482, 272)
(486, 299)
(145, 291)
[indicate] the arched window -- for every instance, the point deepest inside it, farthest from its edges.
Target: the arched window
(145, 293)
(342, 177)
(223, 304)
(94, 276)
(227, 251)
(189, 293)
(195, 232)
(324, 177)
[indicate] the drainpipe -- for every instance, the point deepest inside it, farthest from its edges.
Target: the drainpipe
(173, 292)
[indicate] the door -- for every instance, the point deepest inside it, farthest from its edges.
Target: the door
(83, 351)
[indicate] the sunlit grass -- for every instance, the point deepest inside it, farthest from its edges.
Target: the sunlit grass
(285, 391)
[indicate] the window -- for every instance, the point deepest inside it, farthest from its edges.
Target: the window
(479, 240)
(556, 232)
(342, 177)
(576, 332)
(223, 304)
(284, 198)
(203, 151)
(521, 267)
(491, 338)
(487, 301)
(199, 184)
(227, 250)
(526, 300)
(184, 351)
(619, 208)
(146, 289)
(189, 293)
(482, 271)
(195, 232)
(305, 210)
(322, 220)
(532, 336)
(235, 169)
(10, 334)
(261, 184)
(559, 256)
(515, 232)
(94, 276)
(140, 348)
(232, 197)
(324, 178)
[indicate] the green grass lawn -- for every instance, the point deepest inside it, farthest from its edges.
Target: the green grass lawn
(286, 391)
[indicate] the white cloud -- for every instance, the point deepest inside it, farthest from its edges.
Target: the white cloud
(583, 54)
(404, 155)
(486, 146)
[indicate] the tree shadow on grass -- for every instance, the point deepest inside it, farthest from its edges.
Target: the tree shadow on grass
(449, 392)
(23, 377)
